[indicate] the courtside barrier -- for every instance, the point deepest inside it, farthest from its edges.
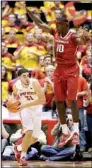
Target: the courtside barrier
(50, 124)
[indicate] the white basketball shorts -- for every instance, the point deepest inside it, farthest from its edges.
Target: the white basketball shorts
(31, 119)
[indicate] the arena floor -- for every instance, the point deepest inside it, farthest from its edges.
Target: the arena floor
(43, 164)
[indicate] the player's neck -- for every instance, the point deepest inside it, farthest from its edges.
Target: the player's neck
(64, 32)
(24, 86)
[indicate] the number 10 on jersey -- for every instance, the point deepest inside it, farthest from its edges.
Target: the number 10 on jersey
(60, 48)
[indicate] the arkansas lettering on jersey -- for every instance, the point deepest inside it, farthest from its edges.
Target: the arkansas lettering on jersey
(26, 94)
(65, 49)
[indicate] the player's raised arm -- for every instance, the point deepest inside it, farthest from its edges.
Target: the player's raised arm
(38, 21)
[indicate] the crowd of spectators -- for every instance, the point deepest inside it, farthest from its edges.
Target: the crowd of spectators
(24, 44)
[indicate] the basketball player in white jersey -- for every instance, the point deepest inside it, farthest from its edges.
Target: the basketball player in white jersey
(31, 96)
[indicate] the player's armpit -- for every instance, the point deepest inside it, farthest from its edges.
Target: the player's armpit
(78, 38)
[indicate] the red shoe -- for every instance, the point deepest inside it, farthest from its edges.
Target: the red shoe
(65, 139)
(23, 162)
(17, 153)
(75, 140)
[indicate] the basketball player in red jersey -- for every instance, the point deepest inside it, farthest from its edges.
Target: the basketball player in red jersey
(67, 70)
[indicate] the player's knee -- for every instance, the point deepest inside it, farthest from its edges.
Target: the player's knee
(59, 102)
(73, 102)
(29, 132)
(34, 139)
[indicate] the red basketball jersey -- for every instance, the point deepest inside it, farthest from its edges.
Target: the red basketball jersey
(65, 49)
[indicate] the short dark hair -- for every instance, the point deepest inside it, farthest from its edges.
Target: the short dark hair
(21, 71)
(62, 19)
(46, 56)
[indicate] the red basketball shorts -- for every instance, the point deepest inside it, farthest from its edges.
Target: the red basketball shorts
(66, 82)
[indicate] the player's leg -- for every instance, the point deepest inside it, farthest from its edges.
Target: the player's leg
(75, 110)
(61, 108)
(60, 97)
(26, 141)
(72, 84)
(33, 123)
(36, 118)
(60, 88)
(26, 120)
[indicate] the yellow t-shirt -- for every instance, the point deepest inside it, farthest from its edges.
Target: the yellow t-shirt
(43, 69)
(26, 30)
(48, 8)
(7, 61)
(19, 12)
(13, 45)
(8, 28)
(49, 89)
(27, 59)
(4, 90)
(4, 22)
(19, 8)
(41, 50)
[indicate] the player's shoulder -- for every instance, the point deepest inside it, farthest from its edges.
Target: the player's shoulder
(17, 83)
(73, 32)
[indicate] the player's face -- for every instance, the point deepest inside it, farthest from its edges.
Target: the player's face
(60, 27)
(25, 78)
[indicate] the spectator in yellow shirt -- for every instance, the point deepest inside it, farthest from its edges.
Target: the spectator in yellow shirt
(11, 24)
(12, 43)
(7, 61)
(19, 8)
(25, 25)
(6, 10)
(25, 54)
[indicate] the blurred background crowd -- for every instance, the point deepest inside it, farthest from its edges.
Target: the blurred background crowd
(25, 45)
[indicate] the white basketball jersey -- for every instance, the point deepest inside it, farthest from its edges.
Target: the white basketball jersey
(26, 95)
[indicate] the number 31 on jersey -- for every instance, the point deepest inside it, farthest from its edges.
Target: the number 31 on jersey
(60, 48)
